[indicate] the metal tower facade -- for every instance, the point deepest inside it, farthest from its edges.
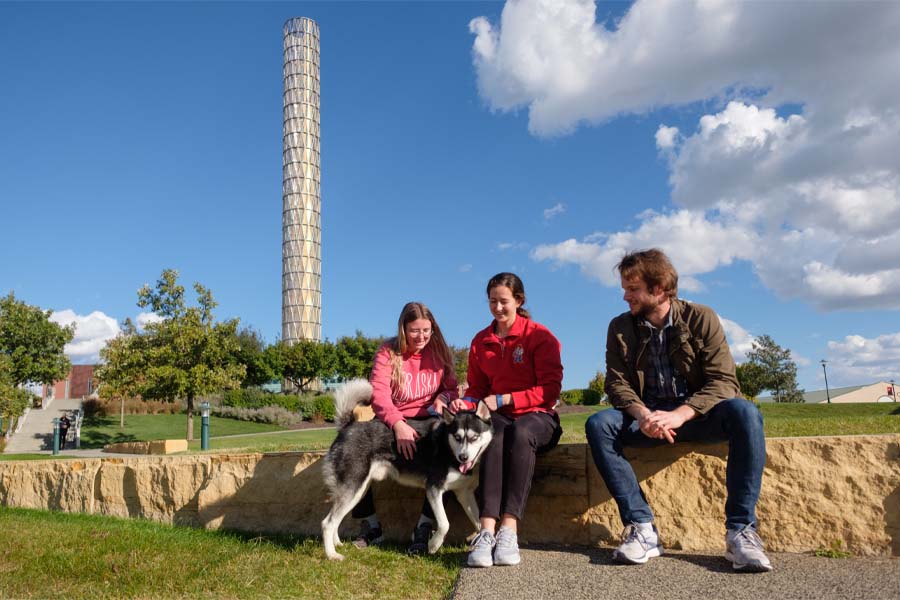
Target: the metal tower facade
(301, 257)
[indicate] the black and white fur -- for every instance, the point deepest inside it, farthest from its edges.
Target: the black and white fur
(447, 451)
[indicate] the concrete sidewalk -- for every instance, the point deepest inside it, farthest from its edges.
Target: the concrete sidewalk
(36, 435)
(576, 573)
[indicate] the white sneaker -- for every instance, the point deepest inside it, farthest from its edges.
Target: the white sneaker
(744, 548)
(506, 549)
(640, 543)
(482, 548)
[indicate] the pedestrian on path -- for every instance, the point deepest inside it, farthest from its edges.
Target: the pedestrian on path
(63, 431)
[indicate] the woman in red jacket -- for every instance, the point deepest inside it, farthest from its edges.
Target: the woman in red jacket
(515, 367)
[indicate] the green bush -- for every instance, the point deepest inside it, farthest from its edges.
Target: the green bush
(586, 397)
(317, 408)
(256, 398)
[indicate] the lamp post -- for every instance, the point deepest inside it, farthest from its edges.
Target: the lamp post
(204, 425)
(827, 393)
(55, 436)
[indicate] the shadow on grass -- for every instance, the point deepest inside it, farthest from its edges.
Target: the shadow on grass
(96, 439)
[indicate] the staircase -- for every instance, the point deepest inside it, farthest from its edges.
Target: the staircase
(36, 434)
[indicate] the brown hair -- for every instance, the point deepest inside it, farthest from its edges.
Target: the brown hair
(414, 311)
(653, 268)
(512, 281)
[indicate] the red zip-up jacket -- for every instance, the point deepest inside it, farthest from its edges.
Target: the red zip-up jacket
(526, 364)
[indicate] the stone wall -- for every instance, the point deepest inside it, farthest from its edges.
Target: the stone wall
(815, 491)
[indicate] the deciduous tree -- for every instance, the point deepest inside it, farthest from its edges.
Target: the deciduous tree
(31, 351)
(185, 355)
(778, 370)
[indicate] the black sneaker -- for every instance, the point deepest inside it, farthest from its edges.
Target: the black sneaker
(420, 538)
(368, 536)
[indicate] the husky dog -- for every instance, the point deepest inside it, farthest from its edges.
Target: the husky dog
(447, 452)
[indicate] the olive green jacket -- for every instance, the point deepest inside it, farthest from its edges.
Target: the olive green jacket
(697, 348)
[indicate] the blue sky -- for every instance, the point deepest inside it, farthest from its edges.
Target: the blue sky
(757, 143)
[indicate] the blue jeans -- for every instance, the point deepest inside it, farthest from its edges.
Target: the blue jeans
(736, 421)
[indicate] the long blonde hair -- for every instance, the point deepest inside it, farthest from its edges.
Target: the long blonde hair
(414, 311)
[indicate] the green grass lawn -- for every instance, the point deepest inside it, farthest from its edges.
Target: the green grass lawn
(96, 432)
(781, 420)
(60, 555)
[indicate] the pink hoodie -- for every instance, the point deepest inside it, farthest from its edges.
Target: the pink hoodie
(424, 378)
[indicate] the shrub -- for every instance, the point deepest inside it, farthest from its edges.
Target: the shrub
(133, 406)
(256, 398)
(317, 407)
(587, 397)
(267, 414)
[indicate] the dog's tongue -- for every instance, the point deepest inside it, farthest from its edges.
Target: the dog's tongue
(465, 467)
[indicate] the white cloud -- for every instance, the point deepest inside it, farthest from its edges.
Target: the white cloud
(859, 360)
(556, 209)
(91, 334)
(666, 137)
(465, 268)
(145, 318)
(739, 339)
(553, 58)
(503, 246)
(695, 244)
(800, 160)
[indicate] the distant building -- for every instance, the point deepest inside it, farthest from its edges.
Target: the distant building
(880, 391)
(78, 384)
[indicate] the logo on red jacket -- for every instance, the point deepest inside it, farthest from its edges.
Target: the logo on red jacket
(518, 354)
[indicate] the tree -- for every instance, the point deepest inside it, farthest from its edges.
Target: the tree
(13, 400)
(596, 384)
(251, 352)
(355, 355)
(778, 371)
(185, 355)
(31, 350)
(460, 362)
(33, 342)
(307, 360)
(751, 378)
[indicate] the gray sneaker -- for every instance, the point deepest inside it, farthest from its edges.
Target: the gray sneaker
(481, 549)
(638, 546)
(744, 548)
(506, 550)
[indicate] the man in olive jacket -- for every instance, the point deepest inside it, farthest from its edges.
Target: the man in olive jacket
(671, 377)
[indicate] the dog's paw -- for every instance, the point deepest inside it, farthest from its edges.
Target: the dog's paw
(434, 544)
(335, 556)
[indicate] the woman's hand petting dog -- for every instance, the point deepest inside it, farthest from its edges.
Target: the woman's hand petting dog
(458, 405)
(406, 439)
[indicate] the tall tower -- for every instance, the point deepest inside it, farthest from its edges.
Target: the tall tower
(301, 258)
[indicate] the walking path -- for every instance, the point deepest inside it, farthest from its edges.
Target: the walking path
(36, 435)
(589, 573)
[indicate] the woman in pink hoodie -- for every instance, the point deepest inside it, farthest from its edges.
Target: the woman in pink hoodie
(412, 378)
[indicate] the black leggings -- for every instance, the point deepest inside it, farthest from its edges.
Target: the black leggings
(366, 507)
(508, 464)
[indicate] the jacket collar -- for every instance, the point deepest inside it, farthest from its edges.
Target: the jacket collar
(515, 331)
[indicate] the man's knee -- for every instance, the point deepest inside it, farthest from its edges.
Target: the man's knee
(603, 424)
(742, 413)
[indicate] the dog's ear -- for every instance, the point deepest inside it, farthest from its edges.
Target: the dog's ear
(448, 416)
(483, 412)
